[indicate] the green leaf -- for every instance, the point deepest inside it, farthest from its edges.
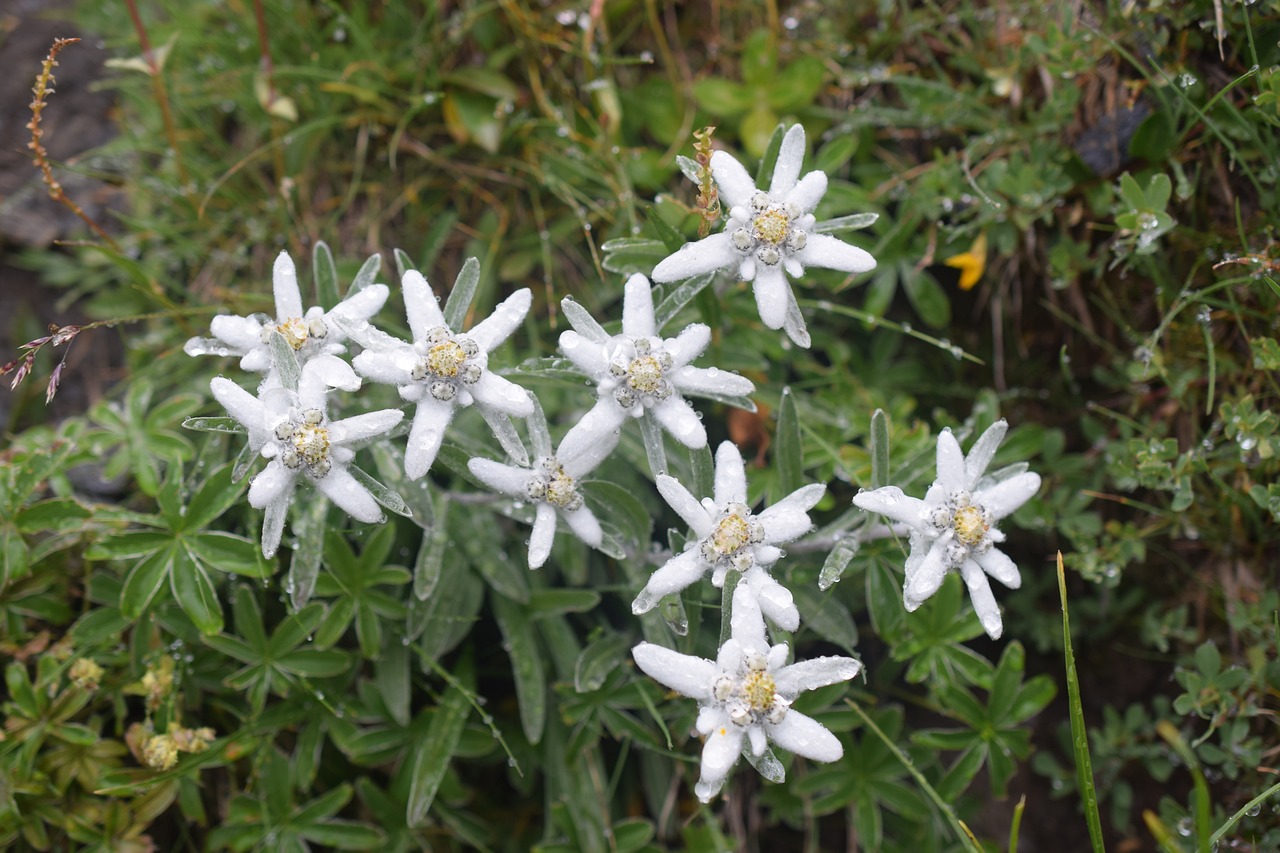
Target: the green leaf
(1079, 731)
(759, 59)
(544, 603)
(220, 424)
(214, 497)
(598, 660)
(285, 360)
(787, 450)
(366, 275)
(392, 672)
(144, 581)
(526, 660)
(196, 595)
(672, 304)
(796, 87)
(315, 663)
(926, 296)
(462, 294)
(722, 98)
(430, 560)
(325, 273)
(835, 153)
(826, 617)
(228, 552)
(434, 752)
(837, 561)
(13, 555)
(879, 449)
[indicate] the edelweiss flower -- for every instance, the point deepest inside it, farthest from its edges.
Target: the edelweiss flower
(442, 370)
(746, 695)
(731, 538)
(293, 430)
(552, 483)
(310, 334)
(953, 528)
(768, 235)
(639, 374)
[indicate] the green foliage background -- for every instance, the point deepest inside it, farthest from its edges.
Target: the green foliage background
(1120, 161)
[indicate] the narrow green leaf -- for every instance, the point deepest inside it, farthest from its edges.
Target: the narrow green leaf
(214, 497)
(671, 305)
(598, 660)
(434, 752)
(223, 424)
(787, 447)
(383, 495)
(837, 561)
(325, 273)
(671, 239)
(879, 449)
(1079, 732)
(391, 669)
(404, 263)
(144, 581)
(852, 222)
(304, 565)
(430, 561)
(367, 275)
(285, 360)
(464, 291)
(526, 662)
(770, 157)
(195, 594)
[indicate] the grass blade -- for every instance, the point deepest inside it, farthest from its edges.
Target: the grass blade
(1079, 735)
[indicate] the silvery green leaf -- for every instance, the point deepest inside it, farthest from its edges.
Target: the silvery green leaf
(365, 333)
(222, 424)
(846, 223)
(426, 569)
(244, 462)
(464, 291)
(836, 563)
(367, 275)
(539, 433)
(325, 273)
(582, 321)
(672, 609)
(651, 435)
(793, 322)
(879, 449)
(285, 360)
(404, 263)
(767, 764)
(671, 305)
(690, 168)
(505, 431)
(389, 499)
(547, 367)
(304, 567)
(745, 403)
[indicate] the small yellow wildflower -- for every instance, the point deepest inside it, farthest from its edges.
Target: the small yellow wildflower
(86, 674)
(971, 263)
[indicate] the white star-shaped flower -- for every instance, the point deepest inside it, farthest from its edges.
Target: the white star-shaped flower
(731, 538)
(442, 370)
(642, 375)
(768, 235)
(293, 430)
(310, 333)
(953, 528)
(745, 695)
(551, 483)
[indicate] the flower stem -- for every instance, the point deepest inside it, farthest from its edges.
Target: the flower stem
(161, 94)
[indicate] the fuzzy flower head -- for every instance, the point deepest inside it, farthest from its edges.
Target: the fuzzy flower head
(768, 236)
(442, 369)
(551, 482)
(745, 695)
(730, 537)
(308, 333)
(292, 429)
(954, 528)
(639, 374)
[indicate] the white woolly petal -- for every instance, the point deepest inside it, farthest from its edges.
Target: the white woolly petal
(427, 434)
(322, 373)
(390, 367)
(778, 656)
(980, 455)
(747, 622)
(590, 441)
(507, 479)
(685, 505)
(759, 743)
(719, 754)
(790, 159)
(710, 717)
(1004, 497)
(729, 658)
(421, 305)
(747, 268)
(243, 333)
(767, 555)
(679, 573)
(734, 184)
(239, 403)
(544, 533)
(812, 674)
(504, 320)
(787, 519)
(731, 475)
(688, 345)
(890, 502)
(361, 305)
(997, 564)
(950, 463)
(710, 253)
(284, 280)
(273, 526)
(256, 360)
(711, 380)
(774, 600)
(808, 192)
(927, 576)
(502, 394)
(585, 526)
(586, 355)
(984, 603)
(827, 252)
(805, 736)
(273, 483)
(686, 674)
(364, 426)
(637, 308)
(679, 419)
(772, 295)
(347, 492)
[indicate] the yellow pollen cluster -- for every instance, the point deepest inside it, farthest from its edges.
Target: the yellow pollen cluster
(730, 534)
(645, 374)
(86, 674)
(771, 226)
(160, 752)
(758, 689)
(295, 331)
(560, 489)
(311, 442)
(446, 359)
(970, 525)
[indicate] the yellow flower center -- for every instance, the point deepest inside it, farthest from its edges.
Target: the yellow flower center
(294, 330)
(771, 226)
(970, 525)
(312, 443)
(560, 489)
(758, 689)
(645, 374)
(730, 534)
(446, 359)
